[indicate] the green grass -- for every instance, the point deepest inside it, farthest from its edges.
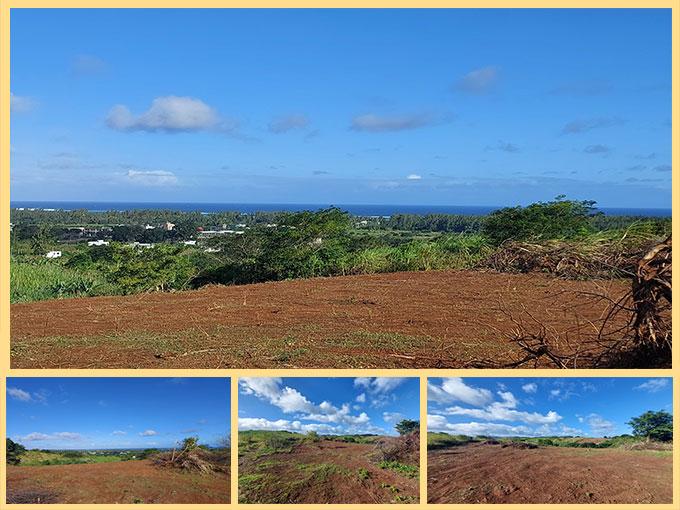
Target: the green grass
(37, 281)
(437, 440)
(265, 442)
(42, 458)
(407, 470)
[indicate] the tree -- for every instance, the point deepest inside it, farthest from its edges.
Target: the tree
(654, 425)
(558, 219)
(405, 427)
(14, 451)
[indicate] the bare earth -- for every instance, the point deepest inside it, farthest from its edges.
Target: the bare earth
(323, 472)
(480, 473)
(134, 481)
(436, 319)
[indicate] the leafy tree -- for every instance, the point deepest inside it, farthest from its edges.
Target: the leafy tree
(558, 219)
(654, 425)
(189, 443)
(405, 427)
(14, 452)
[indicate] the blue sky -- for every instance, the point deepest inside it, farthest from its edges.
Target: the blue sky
(363, 405)
(98, 412)
(457, 107)
(588, 407)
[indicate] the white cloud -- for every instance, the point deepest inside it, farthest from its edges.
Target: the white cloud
(118, 433)
(298, 426)
(599, 426)
(290, 401)
(454, 389)
(505, 411)
(438, 423)
(378, 384)
(414, 177)
(392, 417)
(168, 114)
(530, 388)
(19, 394)
(478, 81)
(21, 104)
(361, 397)
(151, 177)
(653, 385)
(56, 436)
(374, 123)
(555, 393)
(148, 432)
(288, 123)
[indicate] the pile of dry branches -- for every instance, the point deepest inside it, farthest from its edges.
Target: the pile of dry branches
(635, 331)
(404, 448)
(568, 259)
(194, 459)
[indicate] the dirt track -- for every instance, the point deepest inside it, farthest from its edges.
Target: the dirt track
(323, 472)
(491, 474)
(115, 482)
(410, 320)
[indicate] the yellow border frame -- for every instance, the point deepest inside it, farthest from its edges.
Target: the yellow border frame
(6, 5)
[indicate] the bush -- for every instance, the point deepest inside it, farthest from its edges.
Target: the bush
(405, 427)
(558, 219)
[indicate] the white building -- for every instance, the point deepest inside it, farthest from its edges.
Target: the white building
(98, 242)
(53, 254)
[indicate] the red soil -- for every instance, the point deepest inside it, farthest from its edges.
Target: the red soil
(437, 319)
(482, 473)
(135, 481)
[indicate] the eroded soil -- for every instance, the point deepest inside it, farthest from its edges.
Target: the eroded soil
(134, 481)
(322, 472)
(482, 473)
(437, 319)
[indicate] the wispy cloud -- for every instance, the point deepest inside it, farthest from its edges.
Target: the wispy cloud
(653, 385)
(414, 177)
(21, 104)
(530, 388)
(19, 394)
(597, 149)
(148, 433)
(87, 65)
(55, 436)
(153, 178)
(599, 426)
(479, 81)
(585, 125)
(376, 123)
(288, 123)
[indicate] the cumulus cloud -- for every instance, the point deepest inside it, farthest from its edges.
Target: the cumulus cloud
(438, 423)
(653, 385)
(375, 123)
(392, 417)
(171, 114)
(19, 394)
(288, 123)
(530, 388)
(584, 125)
(599, 426)
(504, 410)
(151, 177)
(290, 400)
(21, 104)
(454, 389)
(596, 149)
(379, 384)
(478, 81)
(298, 426)
(148, 432)
(361, 398)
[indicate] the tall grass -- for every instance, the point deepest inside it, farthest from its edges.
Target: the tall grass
(35, 281)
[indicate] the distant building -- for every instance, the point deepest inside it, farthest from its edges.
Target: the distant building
(149, 227)
(168, 226)
(191, 242)
(53, 254)
(98, 242)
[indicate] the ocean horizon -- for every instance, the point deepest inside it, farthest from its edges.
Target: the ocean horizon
(354, 209)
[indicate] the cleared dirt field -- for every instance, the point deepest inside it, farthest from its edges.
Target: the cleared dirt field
(113, 482)
(437, 319)
(481, 473)
(322, 472)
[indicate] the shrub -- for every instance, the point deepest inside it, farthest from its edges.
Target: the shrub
(405, 427)
(13, 452)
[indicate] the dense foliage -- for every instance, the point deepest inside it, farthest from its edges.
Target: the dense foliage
(13, 452)
(654, 425)
(405, 427)
(275, 245)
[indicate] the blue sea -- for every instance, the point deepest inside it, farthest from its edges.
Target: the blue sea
(355, 209)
